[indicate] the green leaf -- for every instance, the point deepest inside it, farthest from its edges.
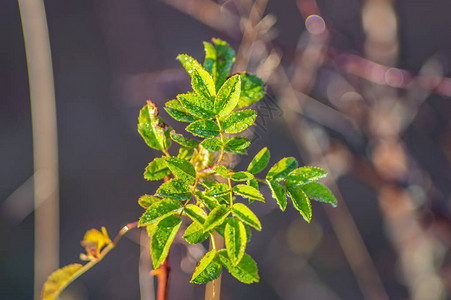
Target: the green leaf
(241, 176)
(182, 169)
(176, 110)
(175, 189)
(209, 183)
(235, 240)
(246, 215)
(156, 170)
(253, 183)
(159, 210)
(228, 96)
(203, 84)
(197, 105)
(279, 193)
(218, 60)
(195, 213)
(208, 269)
(246, 271)
(195, 234)
(210, 62)
(248, 192)
(59, 280)
(216, 217)
(300, 201)
(236, 145)
(185, 153)
(210, 202)
(305, 175)
(251, 89)
(218, 190)
(146, 201)
(204, 128)
(212, 145)
(222, 170)
(154, 132)
(259, 162)
(186, 142)
(189, 63)
(239, 121)
(319, 192)
(281, 169)
(162, 238)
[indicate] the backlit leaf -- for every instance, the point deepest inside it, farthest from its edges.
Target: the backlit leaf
(281, 169)
(246, 271)
(189, 63)
(235, 240)
(246, 215)
(197, 105)
(186, 142)
(279, 193)
(236, 145)
(94, 241)
(175, 189)
(154, 132)
(251, 89)
(239, 121)
(259, 162)
(146, 201)
(159, 210)
(156, 170)
(204, 128)
(219, 58)
(58, 281)
(185, 153)
(162, 238)
(300, 201)
(203, 84)
(305, 175)
(182, 169)
(211, 202)
(248, 192)
(216, 217)
(228, 96)
(196, 213)
(212, 145)
(176, 110)
(208, 269)
(222, 170)
(195, 234)
(241, 176)
(218, 190)
(319, 192)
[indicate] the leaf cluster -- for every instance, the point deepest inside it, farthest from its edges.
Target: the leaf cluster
(198, 184)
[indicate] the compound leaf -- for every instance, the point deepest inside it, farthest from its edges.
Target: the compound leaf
(189, 63)
(196, 213)
(212, 145)
(176, 110)
(241, 176)
(218, 190)
(146, 201)
(305, 175)
(203, 84)
(197, 105)
(236, 145)
(181, 140)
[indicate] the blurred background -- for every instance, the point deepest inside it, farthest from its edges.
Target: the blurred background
(358, 87)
